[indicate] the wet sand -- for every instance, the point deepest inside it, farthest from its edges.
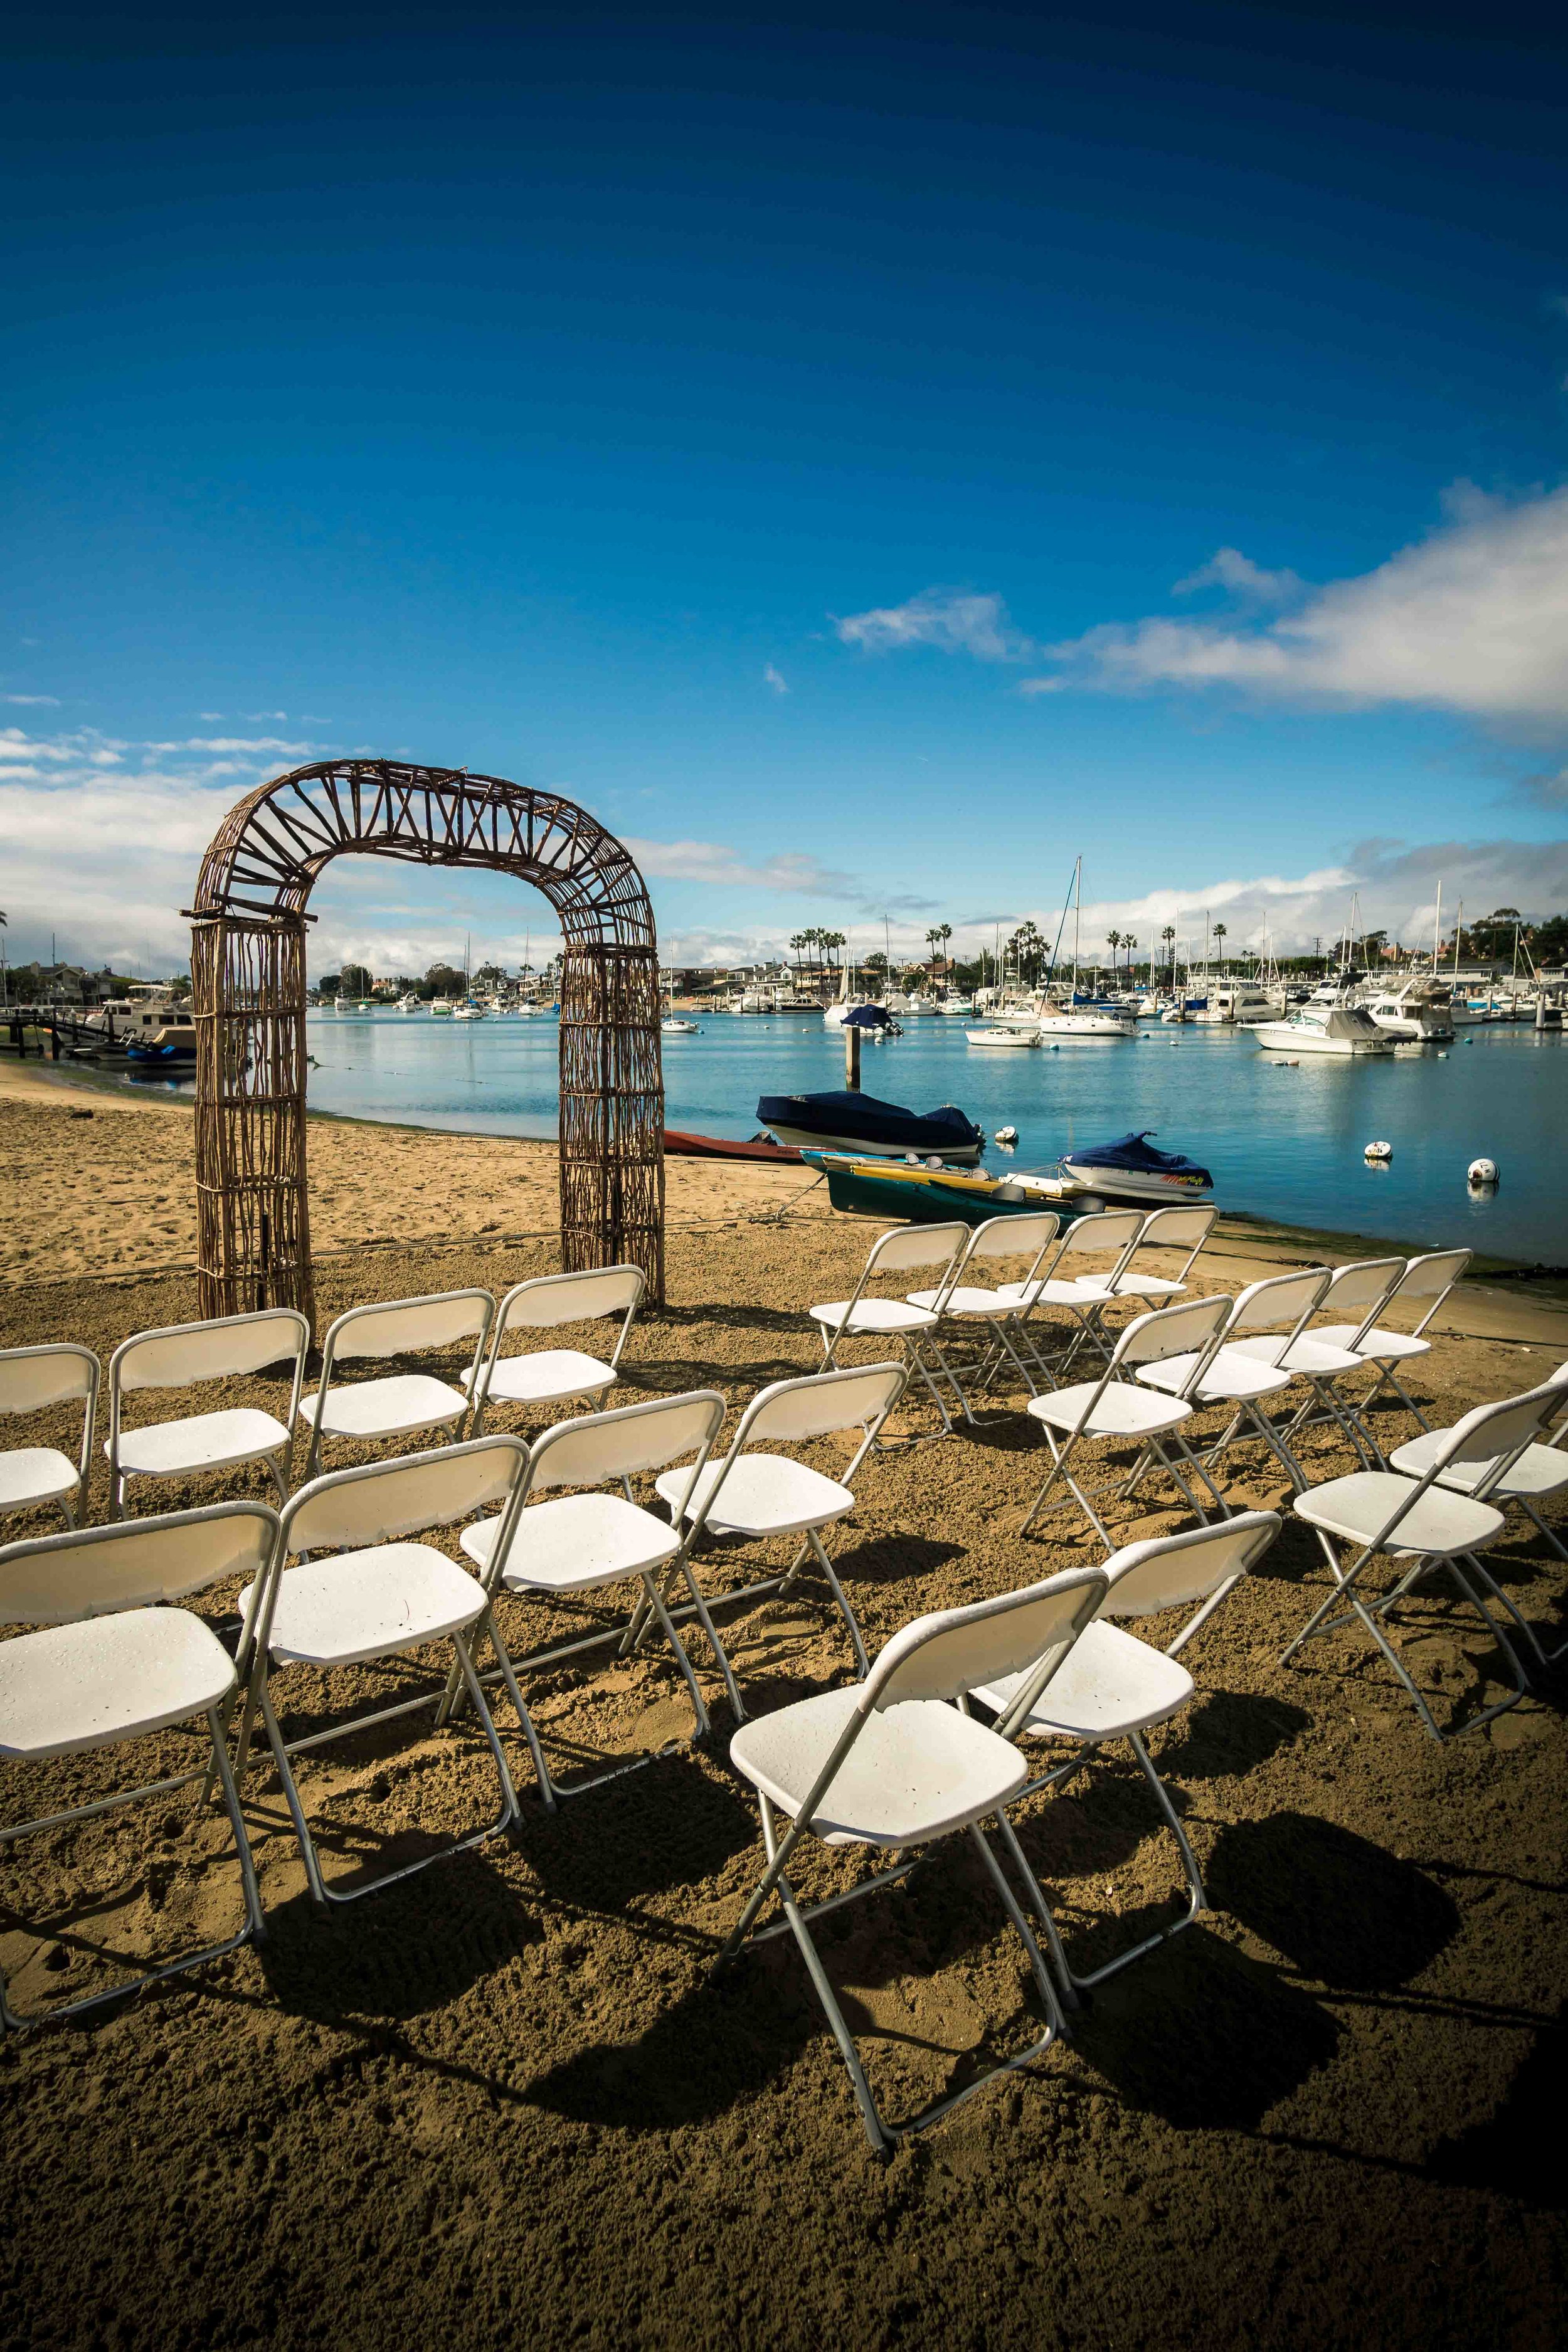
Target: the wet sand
(505, 2100)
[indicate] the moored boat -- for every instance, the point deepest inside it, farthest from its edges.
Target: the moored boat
(850, 1121)
(1131, 1168)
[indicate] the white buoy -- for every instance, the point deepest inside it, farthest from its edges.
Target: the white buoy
(1381, 1153)
(1006, 1134)
(1481, 1171)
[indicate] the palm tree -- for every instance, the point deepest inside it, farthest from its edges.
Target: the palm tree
(1129, 942)
(1113, 940)
(1219, 941)
(1169, 936)
(944, 932)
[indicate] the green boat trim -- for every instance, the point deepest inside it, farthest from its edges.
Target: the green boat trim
(934, 1202)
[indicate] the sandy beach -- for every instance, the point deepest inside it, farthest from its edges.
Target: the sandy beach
(506, 2099)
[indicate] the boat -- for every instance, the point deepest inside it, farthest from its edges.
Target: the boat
(409, 1004)
(1330, 1022)
(470, 1010)
(923, 1196)
(1008, 1034)
(680, 1146)
(674, 1027)
(1131, 1168)
(767, 999)
(151, 1021)
(1235, 1004)
(1185, 1009)
(441, 1008)
(851, 1121)
(1418, 1013)
(1085, 1017)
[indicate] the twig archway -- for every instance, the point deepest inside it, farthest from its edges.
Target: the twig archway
(248, 973)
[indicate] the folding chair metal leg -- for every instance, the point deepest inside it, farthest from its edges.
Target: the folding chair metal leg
(883, 2136)
(862, 1663)
(254, 1928)
(281, 1752)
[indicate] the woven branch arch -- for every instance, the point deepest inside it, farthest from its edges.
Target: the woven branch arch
(247, 973)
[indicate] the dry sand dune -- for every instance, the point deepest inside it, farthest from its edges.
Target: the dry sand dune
(505, 2101)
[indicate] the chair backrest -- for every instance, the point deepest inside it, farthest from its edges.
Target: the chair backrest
(815, 1406)
(1112, 1229)
(1359, 1289)
(1280, 1302)
(133, 1563)
(33, 1378)
(1427, 1281)
(183, 1353)
(1190, 1326)
(600, 1446)
(909, 1246)
(405, 1325)
(379, 1501)
(1025, 1235)
(1168, 1572)
(1177, 1228)
(955, 1650)
(585, 1297)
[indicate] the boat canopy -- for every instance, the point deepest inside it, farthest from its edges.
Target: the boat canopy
(885, 1126)
(869, 1016)
(1136, 1154)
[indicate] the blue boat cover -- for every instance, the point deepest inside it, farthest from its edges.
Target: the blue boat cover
(869, 1016)
(1135, 1152)
(862, 1116)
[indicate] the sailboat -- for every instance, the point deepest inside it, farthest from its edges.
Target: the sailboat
(469, 1009)
(1082, 1016)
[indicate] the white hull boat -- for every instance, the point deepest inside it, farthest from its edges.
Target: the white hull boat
(1010, 1036)
(1101, 1022)
(1324, 1028)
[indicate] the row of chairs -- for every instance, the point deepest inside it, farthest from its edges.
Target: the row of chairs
(399, 1406)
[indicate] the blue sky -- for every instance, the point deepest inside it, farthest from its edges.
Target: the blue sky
(870, 460)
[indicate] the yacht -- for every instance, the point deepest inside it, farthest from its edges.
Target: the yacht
(410, 1003)
(150, 1025)
(441, 1008)
(1008, 1033)
(1330, 1022)
(470, 1010)
(1085, 1016)
(1414, 1014)
(1235, 1004)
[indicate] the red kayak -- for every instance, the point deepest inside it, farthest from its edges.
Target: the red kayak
(718, 1146)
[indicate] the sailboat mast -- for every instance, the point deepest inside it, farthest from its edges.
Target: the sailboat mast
(1076, 913)
(1438, 930)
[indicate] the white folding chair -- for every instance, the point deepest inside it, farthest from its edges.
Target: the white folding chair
(756, 1494)
(1536, 1474)
(1116, 1410)
(974, 1309)
(181, 1356)
(552, 1376)
(889, 1765)
(867, 1316)
(1115, 1686)
(588, 1542)
(1163, 1229)
(1421, 1524)
(116, 1659)
(370, 1596)
(1283, 1304)
(1363, 1288)
(31, 1381)
(1113, 1234)
(402, 1403)
(1426, 1282)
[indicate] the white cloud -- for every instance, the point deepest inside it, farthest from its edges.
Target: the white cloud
(1473, 619)
(712, 861)
(247, 743)
(1228, 568)
(954, 620)
(771, 676)
(51, 700)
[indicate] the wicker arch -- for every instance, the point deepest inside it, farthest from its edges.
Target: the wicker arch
(247, 971)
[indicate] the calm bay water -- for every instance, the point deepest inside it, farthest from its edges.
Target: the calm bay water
(1283, 1143)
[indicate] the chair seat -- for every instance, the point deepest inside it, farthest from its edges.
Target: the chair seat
(35, 1474)
(1085, 1290)
(764, 1495)
(876, 1315)
(1122, 1411)
(547, 1376)
(1147, 1286)
(1109, 1683)
(917, 1770)
(357, 1605)
(1372, 1345)
(966, 1298)
(107, 1679)
(388, 1408)
(576, 1541)
(1231, 1378)
(1307, 1354)
(1539, 1470)
(1357, 1506)
(208, 1441)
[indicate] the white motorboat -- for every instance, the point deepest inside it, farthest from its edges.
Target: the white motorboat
(674, 1027)
(409, 1004)
(470, 1010)
(1237, 1004)
(1086, 1020)
(1012, 1035)
(1132, 1168)
(958, 1007)
(441, 1008)
(1330, 1022)
(1417, 1013)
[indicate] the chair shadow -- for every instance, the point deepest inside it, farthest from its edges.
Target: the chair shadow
(667, 1825)
(891, 1559)
(1204, 2037)
(1341, 1910)
(1228, 1733)
(403, 1953)
(1503, 2155)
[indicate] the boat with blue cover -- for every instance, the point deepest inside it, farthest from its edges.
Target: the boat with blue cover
(850, 1121)
(1131, 1168)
